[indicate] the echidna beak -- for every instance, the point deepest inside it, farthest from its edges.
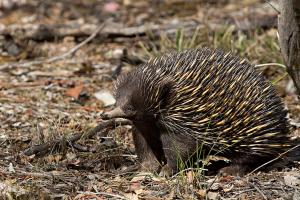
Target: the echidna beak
(115, 113)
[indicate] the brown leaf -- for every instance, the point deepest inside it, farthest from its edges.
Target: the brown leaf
(87, 196)
(201, 193)
(53, 158)
(131, 196)
(190, 177)
(75, 92)
(134, 186)
(226, 178)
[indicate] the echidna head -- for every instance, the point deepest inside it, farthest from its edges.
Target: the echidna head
(140, 96)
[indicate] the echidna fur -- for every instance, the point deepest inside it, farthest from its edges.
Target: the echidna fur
(212, 97)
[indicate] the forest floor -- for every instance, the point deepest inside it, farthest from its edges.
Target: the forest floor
(50, 92)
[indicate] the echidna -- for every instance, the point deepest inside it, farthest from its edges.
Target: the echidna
(181, 101)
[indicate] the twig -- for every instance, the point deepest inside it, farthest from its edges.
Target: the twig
(80, 147)
(104, 193)
(59, 57)
(268, 2)
(259, 191)
(282, 154)
(74, 49)
(31, 174)
(208, 188)
(187, 169)
(242, 192)
(44, 148)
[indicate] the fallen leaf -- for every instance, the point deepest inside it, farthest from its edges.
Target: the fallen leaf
(228, 189)
(202, 193)
(134, 186)
(131, 196)
(87, 196)
(75, 92)
(53, 158)
(213, 195)
(226, 178)
(215, 187)
(71, 156)
(190, 177)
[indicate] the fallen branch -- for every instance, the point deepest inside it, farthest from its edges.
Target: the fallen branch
(59, 57)
(259, 191)
(51, 145)
(30, 174)
(41, 32)
(85, 194)
(45, 32)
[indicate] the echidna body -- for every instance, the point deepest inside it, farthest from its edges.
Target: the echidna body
(181, 101)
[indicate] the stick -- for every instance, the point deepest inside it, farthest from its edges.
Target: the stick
(102, 193)
(42, 149)
(74, 49)
(282, 154)
(31, 174)
(40, 32)
(259, 191)
(59, 57)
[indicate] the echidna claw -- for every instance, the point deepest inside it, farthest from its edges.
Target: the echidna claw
(165, 171)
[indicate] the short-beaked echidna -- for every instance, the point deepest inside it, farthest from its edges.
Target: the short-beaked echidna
(181, 101)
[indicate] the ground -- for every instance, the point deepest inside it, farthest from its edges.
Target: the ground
(48, 101)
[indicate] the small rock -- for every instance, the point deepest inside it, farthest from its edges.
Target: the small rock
(93, 176)
(213, 195)
(292, 178)
(296, 195)
(71, 156)
(215, 186)
(106, 97)
(11, 168)
(114, 54)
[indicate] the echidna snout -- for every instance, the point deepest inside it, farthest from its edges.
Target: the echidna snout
(115, 113)
(133, 99)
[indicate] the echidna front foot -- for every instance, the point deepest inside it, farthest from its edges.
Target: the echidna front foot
(166, 171)
(233, 170)
(148, 149)
(150, 166)
(177, 149)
